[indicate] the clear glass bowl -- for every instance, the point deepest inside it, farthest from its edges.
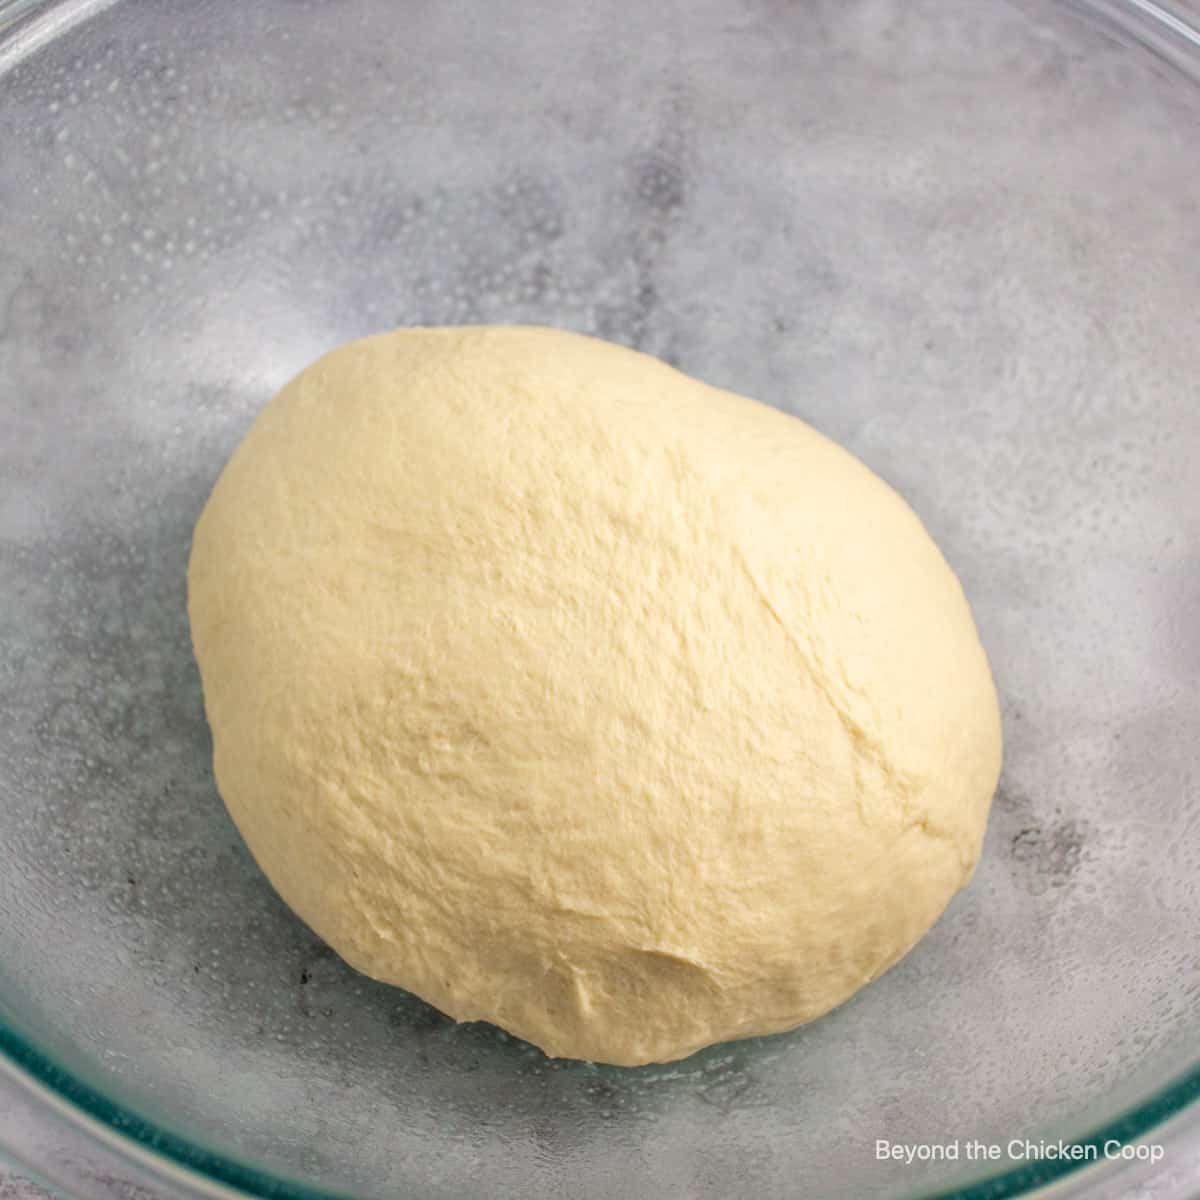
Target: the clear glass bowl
(962, 238)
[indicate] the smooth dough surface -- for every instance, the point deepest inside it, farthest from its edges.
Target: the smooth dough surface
(575, 695)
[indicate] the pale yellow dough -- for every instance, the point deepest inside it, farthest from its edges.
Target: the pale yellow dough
(578, 696)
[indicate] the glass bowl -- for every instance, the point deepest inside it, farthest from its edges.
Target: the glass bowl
(961, 238)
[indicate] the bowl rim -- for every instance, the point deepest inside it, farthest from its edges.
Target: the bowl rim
(1169, 30)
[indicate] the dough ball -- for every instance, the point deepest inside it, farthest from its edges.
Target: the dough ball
(578, 696)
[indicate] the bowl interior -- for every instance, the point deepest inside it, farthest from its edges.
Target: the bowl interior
(962, 239)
